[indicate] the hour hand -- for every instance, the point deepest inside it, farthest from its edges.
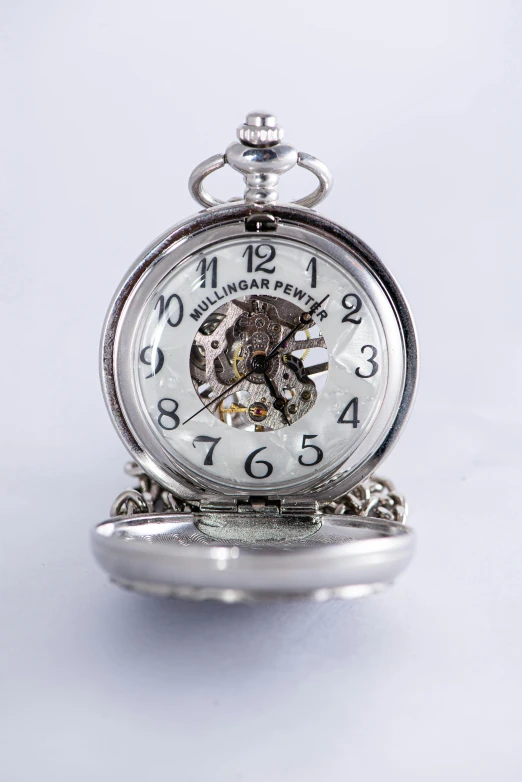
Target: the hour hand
(279, 402)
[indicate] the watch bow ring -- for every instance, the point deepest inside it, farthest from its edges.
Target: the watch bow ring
(260, 147)
(258, 362)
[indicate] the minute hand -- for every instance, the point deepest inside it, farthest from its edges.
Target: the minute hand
(275, 396)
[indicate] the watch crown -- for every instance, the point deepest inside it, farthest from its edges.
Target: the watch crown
(260, 130)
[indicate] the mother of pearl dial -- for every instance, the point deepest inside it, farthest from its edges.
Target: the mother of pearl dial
(259, 271)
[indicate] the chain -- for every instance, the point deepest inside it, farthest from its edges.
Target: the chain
(375, 498)
(147, 497)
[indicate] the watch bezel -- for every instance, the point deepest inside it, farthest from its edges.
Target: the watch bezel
(231, 217)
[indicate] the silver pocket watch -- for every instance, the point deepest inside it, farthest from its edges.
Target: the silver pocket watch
(258, 362)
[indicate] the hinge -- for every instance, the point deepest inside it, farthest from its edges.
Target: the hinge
(218, 505)
(260, 222)
(291, 506)
(263, 505)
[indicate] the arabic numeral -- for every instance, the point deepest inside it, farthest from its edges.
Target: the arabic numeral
(164, 308)
(318, 451)
(352, 307)
(312, 268)
(168, 419)
(352, 405)
(203, 438)
(208, 266)
(265, 252)
(157, 354)
(371, 361)
(250, 461)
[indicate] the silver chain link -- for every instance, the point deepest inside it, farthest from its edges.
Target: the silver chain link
(375, 498)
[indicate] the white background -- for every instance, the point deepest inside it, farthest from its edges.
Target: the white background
(416, 107)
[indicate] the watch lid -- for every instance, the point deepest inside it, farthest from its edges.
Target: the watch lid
(201, 557)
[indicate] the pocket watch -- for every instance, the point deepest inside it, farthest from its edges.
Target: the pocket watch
(258, 362)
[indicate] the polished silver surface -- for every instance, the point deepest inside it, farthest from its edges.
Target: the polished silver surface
(260, 129)
(261, 168)
(242, 552)
(198, 176)
(261, 158)
(171, 556)
(324, 179)
(299, 224)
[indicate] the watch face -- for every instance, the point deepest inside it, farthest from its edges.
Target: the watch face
(259, 362)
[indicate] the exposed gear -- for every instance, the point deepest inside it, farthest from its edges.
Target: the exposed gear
(239, 340)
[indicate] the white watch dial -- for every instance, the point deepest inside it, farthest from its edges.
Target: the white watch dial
(260, 362)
